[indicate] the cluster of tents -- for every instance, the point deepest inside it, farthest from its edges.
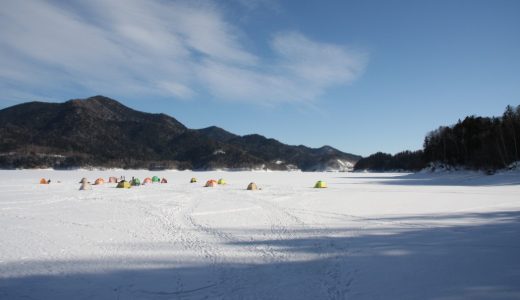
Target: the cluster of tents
(136, 182)
(122, 183)
(213, 182)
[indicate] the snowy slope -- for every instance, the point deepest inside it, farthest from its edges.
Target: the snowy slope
(368, 236)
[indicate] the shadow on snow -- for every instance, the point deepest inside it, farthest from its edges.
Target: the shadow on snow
(479, 261)
(443, 179)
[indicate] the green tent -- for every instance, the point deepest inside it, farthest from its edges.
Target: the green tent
(156, 179)
(136, 182)
(320, 184)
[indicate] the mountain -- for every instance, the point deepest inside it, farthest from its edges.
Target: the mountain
(301, 157)
(102, 132)
(217, 134)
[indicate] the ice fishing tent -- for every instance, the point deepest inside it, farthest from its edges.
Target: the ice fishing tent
(112, 179)
(164, 180)
(252, 187)
(155, 179)
(123, 184)
(320, 184)
(211, 183)
(135, 182)
(99, 181)
(147, 180)
(221, 181)
(193, 180)
(43, 181)
(85, 186)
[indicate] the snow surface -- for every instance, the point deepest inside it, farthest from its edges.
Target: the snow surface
(368, 236)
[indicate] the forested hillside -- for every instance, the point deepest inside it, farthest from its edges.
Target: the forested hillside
(101, 132)
(475, 142)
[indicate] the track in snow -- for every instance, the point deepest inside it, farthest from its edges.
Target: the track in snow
(285, 241)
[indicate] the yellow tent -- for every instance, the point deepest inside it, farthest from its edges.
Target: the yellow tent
(320, 184)
(252, 187)
(123, 184)
(221, 181)
(193, 180)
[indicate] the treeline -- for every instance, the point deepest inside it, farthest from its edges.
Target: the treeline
(32, 160)
(405, 161)
(475, 142)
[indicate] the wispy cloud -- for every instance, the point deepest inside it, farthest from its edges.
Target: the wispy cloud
(250, 5)
(159, 48)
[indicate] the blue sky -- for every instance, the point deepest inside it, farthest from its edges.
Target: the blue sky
(361, 76)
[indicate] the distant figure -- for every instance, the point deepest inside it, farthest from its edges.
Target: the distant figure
(48, 181)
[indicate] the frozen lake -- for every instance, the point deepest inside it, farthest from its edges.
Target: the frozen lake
(367, 236)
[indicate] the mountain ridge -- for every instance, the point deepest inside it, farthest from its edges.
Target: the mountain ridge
(101, 132)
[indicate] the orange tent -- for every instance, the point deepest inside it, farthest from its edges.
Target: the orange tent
(147, 180)
(211, 183)
(99, 181)
(43, 181)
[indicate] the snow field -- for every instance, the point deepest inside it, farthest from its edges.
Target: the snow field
(367, 236)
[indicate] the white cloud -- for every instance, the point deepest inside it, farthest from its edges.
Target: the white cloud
(159, 48)
(178, 89)
(320, 63)
(250, 5)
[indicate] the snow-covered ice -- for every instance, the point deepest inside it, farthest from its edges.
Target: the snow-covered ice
(368, 236)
